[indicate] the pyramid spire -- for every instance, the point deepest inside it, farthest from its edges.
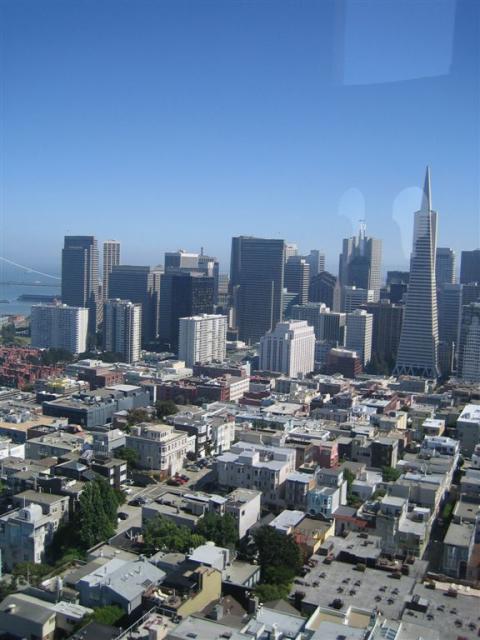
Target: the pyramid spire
(427, 192)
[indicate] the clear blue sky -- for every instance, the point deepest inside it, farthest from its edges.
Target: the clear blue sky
(173, 124)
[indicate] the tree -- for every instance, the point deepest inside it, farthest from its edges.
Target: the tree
(268, 592)
(165, 408)
(134, 416)
(128, 454)
(8, 334)
(161, 534)
(279, 555)
(31, 572)
(349, 476)
(389, 474)
(94, 520)
(54, 356)
(110, 614)
(220, 529)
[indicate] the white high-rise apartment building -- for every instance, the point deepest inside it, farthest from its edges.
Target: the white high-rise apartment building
(359, 334)
(418, 350)
(203, 339)
(288, 349)
(122, 328)
(111, 258)
(59, 326)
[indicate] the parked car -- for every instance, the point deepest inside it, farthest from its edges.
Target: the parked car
(122, 515)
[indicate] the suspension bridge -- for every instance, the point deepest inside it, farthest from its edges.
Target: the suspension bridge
(14, 274)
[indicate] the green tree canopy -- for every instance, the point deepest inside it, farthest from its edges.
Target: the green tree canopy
(94, 520)
(220, 529)
(279, 555)
(109, 614)
(389, 474)
(129, 455)
(165, 408)
(134, 416)
(161, 534)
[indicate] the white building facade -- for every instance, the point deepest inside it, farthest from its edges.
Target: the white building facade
(359, 334)
(122, 327)
(60, 327)
(289, 349)
(203, 339)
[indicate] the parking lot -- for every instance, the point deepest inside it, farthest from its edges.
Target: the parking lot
(197, 480)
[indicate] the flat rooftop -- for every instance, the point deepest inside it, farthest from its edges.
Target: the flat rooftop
(325, 582)
(452, 617)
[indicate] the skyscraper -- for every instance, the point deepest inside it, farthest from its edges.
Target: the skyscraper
(328, 325)
(202, 339)
(445, 266)
(450, 301)
(354, 297)
(325, 288)
(470, 266)
(80, 285)
(360, 262)
(316, 260)
(297, 277)
(387, 327)
(469, 347)
(59, 326)
(288, 349)
(183, 294)
(137, 284)
(122, 328)
(418, 349)
(111, 257)
(257, 281)
(359, 334)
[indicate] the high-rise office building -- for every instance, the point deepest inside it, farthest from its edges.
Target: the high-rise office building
(418, 349)
(297, 278)
(59, 326)
(180, 259)
(183, 294)
(361, 262)
(445, 266)
(257, 282)
(469, 347)
(189, 261)
(387, 327)
(138, 284)
(202, 339)
(325, 288)
(111, 257)
(328, 325)
(470, 266)
(122, 328)
(316, 260)
(450, 301)
(80, 284)
(359, 334)
(396, 286)
(470, 292)
(354, 297)
(291, 249)
(288, 349)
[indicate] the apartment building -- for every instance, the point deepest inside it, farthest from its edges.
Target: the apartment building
(253, 466)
